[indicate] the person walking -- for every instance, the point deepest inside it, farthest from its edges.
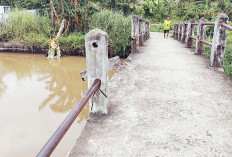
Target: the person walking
(167, 26)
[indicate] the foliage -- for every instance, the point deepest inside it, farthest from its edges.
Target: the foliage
(228, 55)
(117, 27)
(74, 42)
(22, 25)
(31, 29)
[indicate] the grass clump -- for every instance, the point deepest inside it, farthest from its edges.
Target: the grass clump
(118, 28)
(26, 27)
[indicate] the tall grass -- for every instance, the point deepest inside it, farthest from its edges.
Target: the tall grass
(26, 27)
(118, 27)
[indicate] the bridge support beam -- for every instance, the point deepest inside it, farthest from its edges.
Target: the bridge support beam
(200, 36)
(135, 34)
(219, 41)
(96, 44)
(190, 32)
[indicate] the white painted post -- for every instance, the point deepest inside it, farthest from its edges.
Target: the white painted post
(135, 34)
(200, 36)
(190, 32)
(219, 41)
(96, 45)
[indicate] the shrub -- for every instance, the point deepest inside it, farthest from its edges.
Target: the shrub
(118, 28)
(74, 42)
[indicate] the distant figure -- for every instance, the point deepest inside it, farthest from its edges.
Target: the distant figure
(167, 26)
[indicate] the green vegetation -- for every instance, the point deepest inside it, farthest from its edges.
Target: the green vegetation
(117, 27)
(228, 55)
(26, 28)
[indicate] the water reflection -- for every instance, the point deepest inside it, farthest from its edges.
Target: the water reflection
(61, 76)
(36, 95)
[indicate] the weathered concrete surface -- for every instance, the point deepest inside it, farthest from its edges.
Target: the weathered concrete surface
(164, 101)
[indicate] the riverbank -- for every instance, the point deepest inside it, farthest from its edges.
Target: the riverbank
(17, 47)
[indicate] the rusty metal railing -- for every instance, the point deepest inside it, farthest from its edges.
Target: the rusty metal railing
(49, 147)
(226, 26)
(194, 38)
(219, 36)
(206, 43)
(208, 23)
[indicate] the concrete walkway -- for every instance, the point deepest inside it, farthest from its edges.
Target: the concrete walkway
(164, 101)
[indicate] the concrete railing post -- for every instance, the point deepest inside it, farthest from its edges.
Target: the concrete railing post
(176, 31)
(183, 36)
(135, 34)
(149, 33)
(219, 41)
(96, 45)
(200, 36)
(143, 30)
(140, 32)
(147, 30)
(190, 32)
(179, 31)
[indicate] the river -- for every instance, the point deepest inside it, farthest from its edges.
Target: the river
(36, 95)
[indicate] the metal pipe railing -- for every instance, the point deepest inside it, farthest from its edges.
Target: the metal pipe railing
(193, 37)
(194, 23)
(205, 42)
(226, 26)
(49, 147)
(208, 23)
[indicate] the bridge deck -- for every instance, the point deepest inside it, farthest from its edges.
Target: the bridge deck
(164, 101)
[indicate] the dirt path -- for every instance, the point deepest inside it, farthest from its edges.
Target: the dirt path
(164, 101)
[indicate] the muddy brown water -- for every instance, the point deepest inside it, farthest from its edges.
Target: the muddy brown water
(36, 95)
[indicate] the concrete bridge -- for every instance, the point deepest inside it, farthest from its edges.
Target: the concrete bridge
(164, 101)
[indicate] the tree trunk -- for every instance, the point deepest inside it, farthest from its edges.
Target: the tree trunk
(54, 14)
(61, 28)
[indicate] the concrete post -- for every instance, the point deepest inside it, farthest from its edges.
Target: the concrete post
(140, 32)
(174, 31)
(183, 36)
(219, 41)
(179, 31)
(96, 45)
(200, 36)
(149, 34)
(143, 30)
(190, 32)
(147, 30)
(135, 34)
